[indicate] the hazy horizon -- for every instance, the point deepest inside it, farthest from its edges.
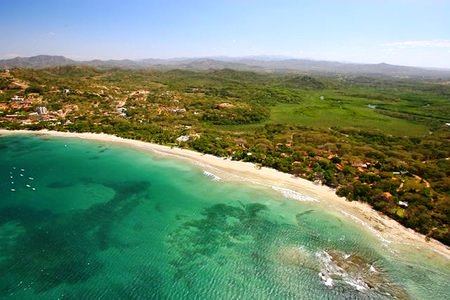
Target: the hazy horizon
(399, 32)
(273, 58)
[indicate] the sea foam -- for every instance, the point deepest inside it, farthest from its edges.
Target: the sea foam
(287, 193)
(366, 225)
(212, 176)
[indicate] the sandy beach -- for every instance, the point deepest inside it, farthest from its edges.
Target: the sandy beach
(391, 233)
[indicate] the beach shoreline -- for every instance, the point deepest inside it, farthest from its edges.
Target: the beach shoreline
(389, 231)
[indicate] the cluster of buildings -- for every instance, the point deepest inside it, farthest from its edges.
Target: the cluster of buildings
(23, 103)
(19, 109)
(17, 102)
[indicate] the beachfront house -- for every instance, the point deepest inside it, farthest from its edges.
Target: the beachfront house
(183, 138)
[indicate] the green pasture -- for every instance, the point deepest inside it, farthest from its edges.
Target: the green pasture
(343, 114)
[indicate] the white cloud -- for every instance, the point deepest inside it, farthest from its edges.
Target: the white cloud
(420, 44)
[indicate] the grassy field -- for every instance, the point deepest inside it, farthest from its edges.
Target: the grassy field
(380, 140)
(327, 113)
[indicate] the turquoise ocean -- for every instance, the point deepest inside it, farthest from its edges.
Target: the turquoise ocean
(89, 220)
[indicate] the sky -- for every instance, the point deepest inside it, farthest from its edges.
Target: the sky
(403, 32)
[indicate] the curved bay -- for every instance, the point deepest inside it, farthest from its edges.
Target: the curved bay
(131, 225)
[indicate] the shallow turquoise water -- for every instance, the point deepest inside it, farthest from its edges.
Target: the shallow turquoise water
(90, 220)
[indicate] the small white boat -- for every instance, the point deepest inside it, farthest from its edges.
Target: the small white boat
(13, 190)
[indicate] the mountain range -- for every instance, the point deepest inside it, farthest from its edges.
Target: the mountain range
(254, 63)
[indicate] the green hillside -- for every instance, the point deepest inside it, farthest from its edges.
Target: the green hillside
(380, 140)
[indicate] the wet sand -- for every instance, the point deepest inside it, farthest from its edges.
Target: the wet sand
(390, 232)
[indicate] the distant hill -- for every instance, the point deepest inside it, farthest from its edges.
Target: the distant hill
(39, 61)
(258, 64)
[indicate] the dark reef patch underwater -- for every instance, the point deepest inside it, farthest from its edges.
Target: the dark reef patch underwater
(82, 220)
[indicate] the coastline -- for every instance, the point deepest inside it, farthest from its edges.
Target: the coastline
(389, 231)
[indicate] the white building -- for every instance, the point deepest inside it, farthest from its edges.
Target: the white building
(42, 110)
(17, 99)
(183, 138)
(404, 204)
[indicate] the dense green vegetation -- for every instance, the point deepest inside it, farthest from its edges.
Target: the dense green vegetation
(383, 141)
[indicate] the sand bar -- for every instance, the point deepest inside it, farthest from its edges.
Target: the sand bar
(389, 231)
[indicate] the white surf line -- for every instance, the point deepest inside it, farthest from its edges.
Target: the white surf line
(365, 224)
(288, 193)
(386, 242)
(104, 138)
(203, 165)
(441, 253)
(211, 175)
